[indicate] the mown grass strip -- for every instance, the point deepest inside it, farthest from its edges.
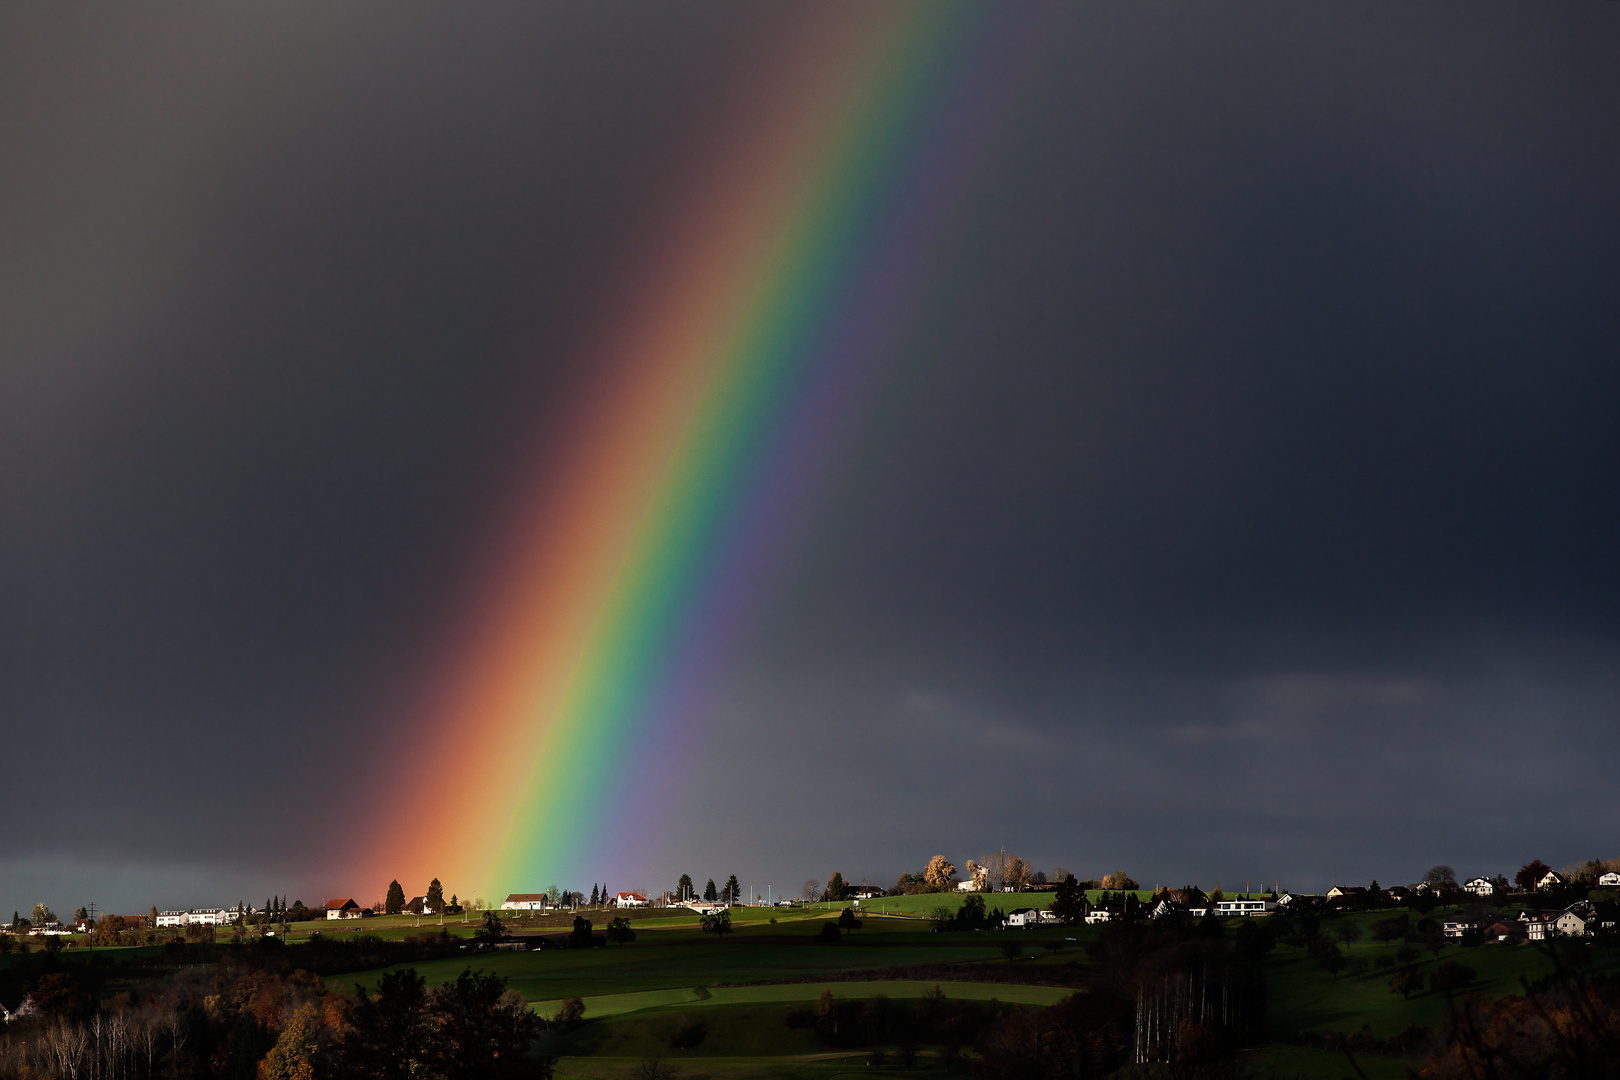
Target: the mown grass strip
(618, 1004)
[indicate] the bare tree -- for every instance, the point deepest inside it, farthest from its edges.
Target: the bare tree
(148, 1036)
(67, 1045)
(654, 1068)
(1004, 871)
(810, 890)
(1440, 877)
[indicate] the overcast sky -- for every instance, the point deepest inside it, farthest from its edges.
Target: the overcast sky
(1241, 505)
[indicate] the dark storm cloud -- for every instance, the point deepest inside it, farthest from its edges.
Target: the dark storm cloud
(282, 293)
(1247, 504)
(1244, 504)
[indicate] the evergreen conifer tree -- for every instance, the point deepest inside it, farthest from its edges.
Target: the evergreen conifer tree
(710, 892)
(395, 902)
(684, 890)
(733, 890)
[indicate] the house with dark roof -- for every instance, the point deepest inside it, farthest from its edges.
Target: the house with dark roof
(342, 907)
(526, 901)
(1166, 906)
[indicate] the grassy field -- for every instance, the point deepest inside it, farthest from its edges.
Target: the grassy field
(638, 998)
(771, 959)
(543, 976)
(782, 993)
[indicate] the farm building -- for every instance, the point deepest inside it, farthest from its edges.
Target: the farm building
(525, 901)
(630, 899)
(342, 907)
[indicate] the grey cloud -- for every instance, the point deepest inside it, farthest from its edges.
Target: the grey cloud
(1241, 500)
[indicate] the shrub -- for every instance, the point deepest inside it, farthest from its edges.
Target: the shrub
(571, 1015)
(1451, 976)
(688, 1035)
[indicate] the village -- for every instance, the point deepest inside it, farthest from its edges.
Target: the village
(1538, 904)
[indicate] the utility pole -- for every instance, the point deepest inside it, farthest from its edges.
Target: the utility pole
(91, 936)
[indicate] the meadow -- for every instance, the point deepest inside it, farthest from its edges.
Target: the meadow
(737, 1006)
(639, 998)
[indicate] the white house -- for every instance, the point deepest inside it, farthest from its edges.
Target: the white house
(1023, 917)
(1539, 927)
(868, 892)
(1245, 907)
(1456, 928)
(173, 918)
(1550, 880)
(527, 901)
(342, 907)
(1480, 886)
(1573, 923)
(1097, 915)
(212, 916)
(1609, 880)
(978, 879)
(706, 907)
(22, 1012)
(630, 899)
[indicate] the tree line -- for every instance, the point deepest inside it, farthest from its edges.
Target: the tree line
(250, 1018)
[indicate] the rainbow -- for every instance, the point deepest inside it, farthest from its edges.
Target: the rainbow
(562, 720)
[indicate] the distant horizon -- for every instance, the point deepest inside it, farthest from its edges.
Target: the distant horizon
(778, 891)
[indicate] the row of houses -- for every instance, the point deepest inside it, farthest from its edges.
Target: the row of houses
(1552, 879)
(1170, 905)
(542, 901)
(1582, 919)
(208, 916)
